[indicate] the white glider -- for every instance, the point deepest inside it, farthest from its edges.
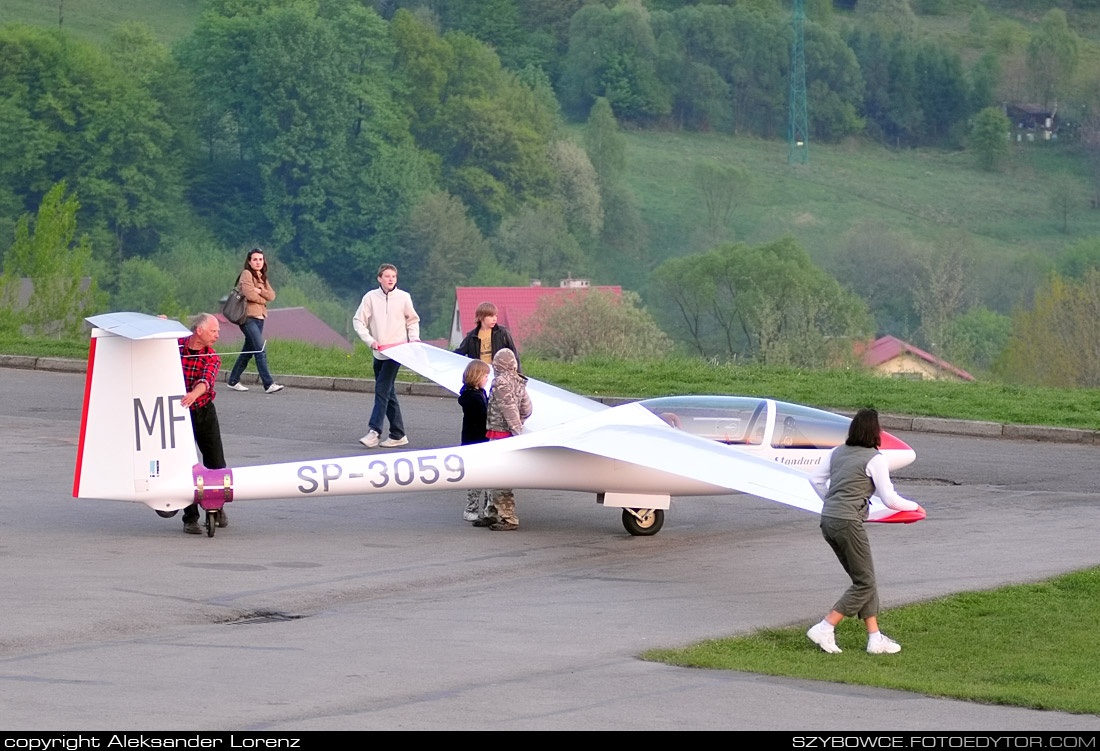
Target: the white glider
(136, 443)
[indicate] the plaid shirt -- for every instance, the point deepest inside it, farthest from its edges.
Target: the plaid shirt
(199, 368)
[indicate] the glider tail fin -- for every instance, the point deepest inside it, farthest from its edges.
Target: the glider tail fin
(136, 442)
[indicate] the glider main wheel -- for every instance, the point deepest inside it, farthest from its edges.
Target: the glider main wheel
(166, 514)
(643, 522)
(211, 523)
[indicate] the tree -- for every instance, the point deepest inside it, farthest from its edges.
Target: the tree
(495, 22)
(941, 294)
(1079, 257)
(688, 295)
(604, 144)
(979, 23)
(758, 75)
(889, 15)
(989, 138)
(536, 241)
(943, 93)
(1052, 56)
(489, 127)
(696, 43)
(1065, 198)
(1089, 134)
(978, 338)
(72, 113)
(905, 118)
(440, 248)
(984, 77)
(768, 303)
(146, 288)
(1054, 343)
(594, 323)
(624, 231)
(613, 54)
(879, 264)
(301, 113)
(44, 252)
(577, 189)
(722, 186)
(835, 89)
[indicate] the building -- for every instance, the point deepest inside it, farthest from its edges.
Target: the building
(890, 356)
(295, 324)
(1032, 122)
(514, 306)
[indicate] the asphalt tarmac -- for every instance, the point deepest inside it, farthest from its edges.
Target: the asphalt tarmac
(389, 612)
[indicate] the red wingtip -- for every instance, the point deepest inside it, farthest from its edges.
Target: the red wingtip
(903, 517)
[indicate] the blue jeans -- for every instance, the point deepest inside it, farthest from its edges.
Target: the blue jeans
(253, 329)
(385, 398)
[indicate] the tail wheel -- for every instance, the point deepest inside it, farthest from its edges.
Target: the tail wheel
(643, 522)
(211, 523)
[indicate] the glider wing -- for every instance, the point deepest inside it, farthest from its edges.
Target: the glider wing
(632, 434)
(550, 405)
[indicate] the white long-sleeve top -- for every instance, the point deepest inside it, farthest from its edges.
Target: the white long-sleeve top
(386, 319)
(878, 469)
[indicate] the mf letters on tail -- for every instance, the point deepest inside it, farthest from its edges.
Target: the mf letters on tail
(136, 442)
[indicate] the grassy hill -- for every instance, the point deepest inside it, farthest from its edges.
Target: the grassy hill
(930, 195)
(926, 193)
(93, 19)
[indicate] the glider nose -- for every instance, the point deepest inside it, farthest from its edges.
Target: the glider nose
(897, 452)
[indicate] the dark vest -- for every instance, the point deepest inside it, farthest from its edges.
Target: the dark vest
(849, 486)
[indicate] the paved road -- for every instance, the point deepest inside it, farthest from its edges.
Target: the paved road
(389, 612)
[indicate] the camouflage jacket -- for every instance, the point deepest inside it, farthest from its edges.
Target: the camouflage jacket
(509, 405)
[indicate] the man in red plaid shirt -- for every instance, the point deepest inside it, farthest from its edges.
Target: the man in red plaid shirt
(200, 373)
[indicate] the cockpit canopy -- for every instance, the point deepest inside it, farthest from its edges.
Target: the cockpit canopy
(750, 421)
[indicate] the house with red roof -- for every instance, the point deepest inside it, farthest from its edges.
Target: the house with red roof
(514, 306)
(296, 324)
(893, 357)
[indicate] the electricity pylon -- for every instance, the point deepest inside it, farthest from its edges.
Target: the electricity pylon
(798, 141)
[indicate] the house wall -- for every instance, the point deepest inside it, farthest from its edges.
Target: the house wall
(909, 365)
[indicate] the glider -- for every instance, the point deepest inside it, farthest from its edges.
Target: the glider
(136, 443)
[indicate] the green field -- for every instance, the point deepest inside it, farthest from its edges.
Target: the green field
(832, 389)
(172, 20)
(1029, 645)
(929, 194)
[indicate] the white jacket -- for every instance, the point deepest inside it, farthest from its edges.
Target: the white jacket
(386, 319)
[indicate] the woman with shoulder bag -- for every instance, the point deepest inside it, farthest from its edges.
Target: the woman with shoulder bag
(256, 288)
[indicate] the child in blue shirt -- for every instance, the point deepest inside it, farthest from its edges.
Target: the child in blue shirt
(475, 404)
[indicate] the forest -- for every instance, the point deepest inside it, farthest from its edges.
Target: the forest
(632, 142)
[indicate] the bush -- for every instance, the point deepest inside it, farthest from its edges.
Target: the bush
(594, 323)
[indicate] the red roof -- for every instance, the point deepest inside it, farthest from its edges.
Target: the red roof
(887, 348)
(296, 324)
(514, 305)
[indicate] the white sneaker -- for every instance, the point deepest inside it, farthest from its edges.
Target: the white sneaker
(825, 638)
(238, 386)
(469, 516)
(882, 645)
(391, 443)
(370, 440)
(274, 388)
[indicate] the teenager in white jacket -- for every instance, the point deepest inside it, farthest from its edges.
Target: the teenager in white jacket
(386, 316)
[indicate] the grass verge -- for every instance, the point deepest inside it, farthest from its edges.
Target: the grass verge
(1029, 645)
(831, 389)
